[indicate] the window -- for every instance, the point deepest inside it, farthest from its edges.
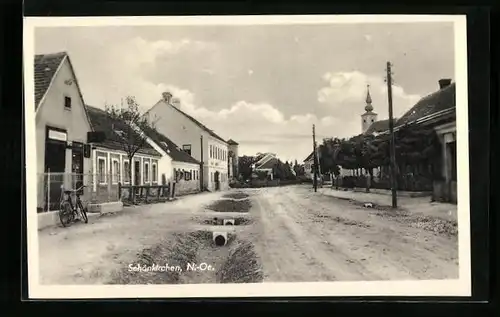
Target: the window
(101, 167)
(126, 177)
(146, 172)
(154, 172)
(67, 102)
(210, 151)
(115, 170)
(187, 148)
(364, 120)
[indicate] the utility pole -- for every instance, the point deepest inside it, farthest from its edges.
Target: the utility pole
(202, 170)
(392, 142)
(315, 168)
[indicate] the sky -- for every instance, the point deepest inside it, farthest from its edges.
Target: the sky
(263, 86)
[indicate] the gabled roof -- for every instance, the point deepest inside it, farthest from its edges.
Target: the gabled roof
(231, 142)
(170, 147)
(268, 164)
(440, 100)
(309, 157)
(101, 121)
(262, 158)
(379, 126)
(46, 67)
(198, 123)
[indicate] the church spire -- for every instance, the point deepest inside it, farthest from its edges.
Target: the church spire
(368, 107)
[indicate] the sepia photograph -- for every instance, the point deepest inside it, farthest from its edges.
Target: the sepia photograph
(233, 156)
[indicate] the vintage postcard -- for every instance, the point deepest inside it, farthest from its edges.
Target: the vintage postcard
(247, 156)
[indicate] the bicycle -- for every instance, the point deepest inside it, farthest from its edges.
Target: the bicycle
(70, 212)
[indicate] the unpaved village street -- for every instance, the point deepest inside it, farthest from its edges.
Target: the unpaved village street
(281, 234)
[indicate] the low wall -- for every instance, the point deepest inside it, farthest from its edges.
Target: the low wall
(183, 187)
(445, 192)
(399, 192)
(51, 218)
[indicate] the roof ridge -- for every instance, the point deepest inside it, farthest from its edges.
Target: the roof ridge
(199, 123)
(60, 53)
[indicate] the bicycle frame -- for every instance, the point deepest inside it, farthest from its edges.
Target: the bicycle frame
(66, 197)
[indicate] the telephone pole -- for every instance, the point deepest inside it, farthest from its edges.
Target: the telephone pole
(315, 168)
(202, 167)
(392, 142)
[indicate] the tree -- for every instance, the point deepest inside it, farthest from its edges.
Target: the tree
(129, 123)
(245, 166)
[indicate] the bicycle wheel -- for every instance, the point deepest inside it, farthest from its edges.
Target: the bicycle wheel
(83, 212)
(65, 214)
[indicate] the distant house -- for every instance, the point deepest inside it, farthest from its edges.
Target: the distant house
(176, 164)
(110, 161)
(308, 165)
(265, 163)
(61, 124)
(199, 141)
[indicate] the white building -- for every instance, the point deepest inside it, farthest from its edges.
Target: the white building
(175, 164)
(195, 138)
(62, 124)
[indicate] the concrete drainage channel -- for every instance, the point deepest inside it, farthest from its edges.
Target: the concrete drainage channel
(215, 253)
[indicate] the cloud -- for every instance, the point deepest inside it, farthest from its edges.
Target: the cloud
(262, 127)
(345, 93)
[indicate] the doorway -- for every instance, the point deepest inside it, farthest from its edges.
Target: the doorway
(77, 165)
(55, 163)
(217, 180)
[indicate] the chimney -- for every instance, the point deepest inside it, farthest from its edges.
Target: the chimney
(167, 97)
(176, 102)
(445, 82)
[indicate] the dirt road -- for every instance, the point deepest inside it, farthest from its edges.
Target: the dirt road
(311, 237)
(297, 234)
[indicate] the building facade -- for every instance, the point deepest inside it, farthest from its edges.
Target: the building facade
(194, 138)
(62, 123)
(178, 166)
(111, 165)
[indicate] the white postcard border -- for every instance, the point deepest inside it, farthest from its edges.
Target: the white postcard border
(458, 287)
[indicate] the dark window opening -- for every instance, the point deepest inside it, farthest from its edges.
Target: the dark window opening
(67, 102)
(452, 150)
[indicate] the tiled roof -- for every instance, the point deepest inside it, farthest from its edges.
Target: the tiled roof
(170, 147)
(440, 100)
(101, 121)
(231, 142)
(201, 125)
(309, 157)
(269, 164)
(45, 67)
(379, 126)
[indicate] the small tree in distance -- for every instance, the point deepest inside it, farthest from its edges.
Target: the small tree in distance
(129, 123)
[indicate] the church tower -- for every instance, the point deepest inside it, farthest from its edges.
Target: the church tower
(369, 116)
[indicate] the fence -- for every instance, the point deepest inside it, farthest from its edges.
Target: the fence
(404, 183)
(100, 188)
(145, 193)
